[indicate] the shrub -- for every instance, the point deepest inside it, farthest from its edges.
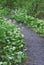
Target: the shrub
(11, 44)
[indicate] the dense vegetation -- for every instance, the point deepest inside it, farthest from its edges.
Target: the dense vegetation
(11, 44)
(33, 7)
(4, 11)
(32, 22)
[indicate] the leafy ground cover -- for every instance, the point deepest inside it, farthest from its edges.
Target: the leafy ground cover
(4, 11)
(11, 44)
(35, 23)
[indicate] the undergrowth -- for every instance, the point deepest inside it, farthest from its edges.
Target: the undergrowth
(4, 11)
(11, 44)
(35, 23)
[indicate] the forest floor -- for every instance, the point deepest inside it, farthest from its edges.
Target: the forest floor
(34, 44)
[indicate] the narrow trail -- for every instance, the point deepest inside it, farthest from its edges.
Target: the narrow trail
(35, 45)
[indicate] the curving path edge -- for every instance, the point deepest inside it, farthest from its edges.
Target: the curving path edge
(34, 44)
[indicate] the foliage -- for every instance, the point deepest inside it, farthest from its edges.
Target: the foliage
(20, 14)
(33, 7)
(11, 44)
(8, 3)
(35, 23)
(4, 11)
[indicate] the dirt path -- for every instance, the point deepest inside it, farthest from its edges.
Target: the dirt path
(35, 45)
